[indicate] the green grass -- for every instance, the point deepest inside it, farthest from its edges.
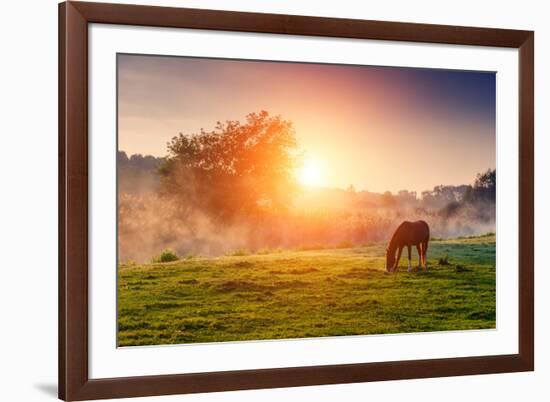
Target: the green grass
(311, 293)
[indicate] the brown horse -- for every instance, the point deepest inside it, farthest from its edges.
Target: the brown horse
(408, 234)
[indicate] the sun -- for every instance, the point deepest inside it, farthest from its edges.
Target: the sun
(310, 173)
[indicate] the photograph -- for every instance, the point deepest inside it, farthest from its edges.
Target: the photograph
(266, 200)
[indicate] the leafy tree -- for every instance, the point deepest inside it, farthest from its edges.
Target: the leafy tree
(235, 168)
(486, 180)
(484, 187)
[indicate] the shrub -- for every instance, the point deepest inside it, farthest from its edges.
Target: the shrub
(166, 255)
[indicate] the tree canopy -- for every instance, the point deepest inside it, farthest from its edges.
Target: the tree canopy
(235, 168)
(484, 188)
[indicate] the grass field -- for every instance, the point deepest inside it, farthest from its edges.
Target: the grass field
(295, 294)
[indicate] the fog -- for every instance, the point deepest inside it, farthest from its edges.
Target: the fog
(150, 222)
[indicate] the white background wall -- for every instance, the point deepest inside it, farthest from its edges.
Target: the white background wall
(28, 201)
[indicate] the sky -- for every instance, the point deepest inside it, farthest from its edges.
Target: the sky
(376, 128)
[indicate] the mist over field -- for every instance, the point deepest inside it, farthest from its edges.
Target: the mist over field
(316, 218)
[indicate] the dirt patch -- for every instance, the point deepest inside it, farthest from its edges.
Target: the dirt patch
(241, 286)
(302, 271)
(188, 282)
(290, 284)
(358, 273)
(295, 271)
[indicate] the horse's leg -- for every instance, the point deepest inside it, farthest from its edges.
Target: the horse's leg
(409, 253)
(399, 251)
(425, 252)
(419, 251)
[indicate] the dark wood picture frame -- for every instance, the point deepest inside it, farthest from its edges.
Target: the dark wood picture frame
(74, 382)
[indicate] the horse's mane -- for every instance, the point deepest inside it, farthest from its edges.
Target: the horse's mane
(393, 239)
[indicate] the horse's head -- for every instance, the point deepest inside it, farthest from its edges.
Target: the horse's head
(390, 260)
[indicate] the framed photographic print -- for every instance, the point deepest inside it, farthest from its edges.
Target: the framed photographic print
(258, 200)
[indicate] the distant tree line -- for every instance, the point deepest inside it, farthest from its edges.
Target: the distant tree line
(145, 163)
(138, 174)
(475, 199)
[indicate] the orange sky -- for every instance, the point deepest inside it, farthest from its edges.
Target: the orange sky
(375, 128)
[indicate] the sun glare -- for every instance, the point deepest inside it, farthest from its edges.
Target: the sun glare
(311, 173)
